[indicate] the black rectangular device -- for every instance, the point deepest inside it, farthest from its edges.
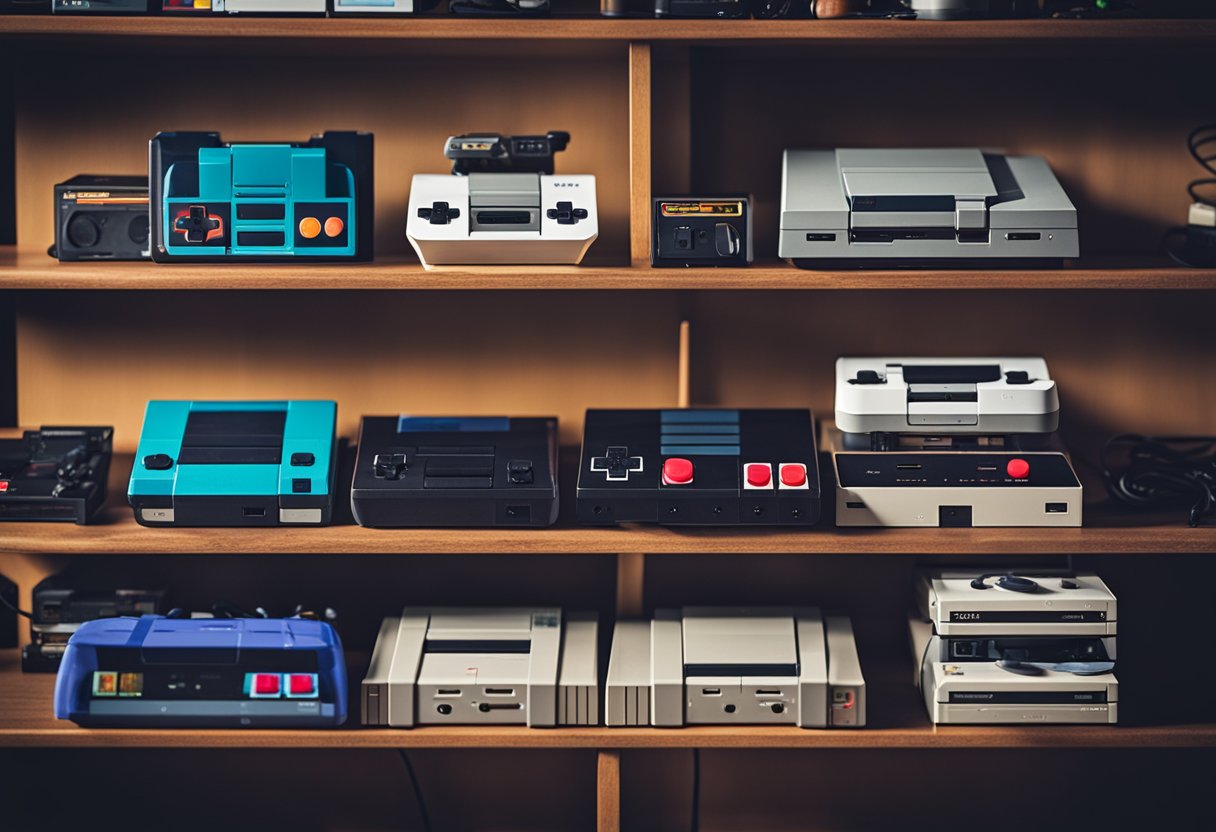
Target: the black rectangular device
(100, 6)
(455, 471)
(703, 8)
(699, 467)
(101, 218)
(701, 231)
(56, 473)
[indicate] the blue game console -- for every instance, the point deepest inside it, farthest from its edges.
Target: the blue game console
(203, 672)
(214, 201)
(235, 464)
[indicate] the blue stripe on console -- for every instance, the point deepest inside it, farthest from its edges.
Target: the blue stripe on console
(699, 450)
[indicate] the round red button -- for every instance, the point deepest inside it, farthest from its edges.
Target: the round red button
(759, 475)
(1017, 468)
(677, 471)
(793, 476)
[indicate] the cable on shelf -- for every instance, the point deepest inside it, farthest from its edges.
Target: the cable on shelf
(423, 815)
(1161, 472)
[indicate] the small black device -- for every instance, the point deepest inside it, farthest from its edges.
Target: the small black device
(100, 7)
(497, 153)
(500, 8)
(461, 471)
(101, 218)
(55, 473)
(699, 467)
(61, 603)
(701, 231)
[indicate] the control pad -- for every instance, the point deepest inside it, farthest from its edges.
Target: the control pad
(617, 463)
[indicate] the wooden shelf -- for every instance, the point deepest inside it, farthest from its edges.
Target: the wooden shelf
(116, 533)
(596, 28)
(26, 720)
(34, 270)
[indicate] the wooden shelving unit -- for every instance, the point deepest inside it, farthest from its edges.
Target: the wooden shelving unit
(655, 107)
(33, 270)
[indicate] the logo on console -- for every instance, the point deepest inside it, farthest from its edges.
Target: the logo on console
(964, 616)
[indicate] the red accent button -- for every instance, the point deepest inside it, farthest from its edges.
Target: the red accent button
(265, 684)
(299, 684)
(3, 486)
(759, 474)
(793, 475)
(1017, 468)
(677, 471)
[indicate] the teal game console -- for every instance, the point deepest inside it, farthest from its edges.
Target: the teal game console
(267, 463)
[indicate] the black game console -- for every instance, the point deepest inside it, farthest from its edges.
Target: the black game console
(100, 7)
(477, 471)
(701, 231)
(699, 468)
(703, 8)
(496, 153)
(101, 218)
(62, 604)
(500, 8)
(56, 473)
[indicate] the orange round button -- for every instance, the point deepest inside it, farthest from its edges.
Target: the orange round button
(310, 227)
(334, 226)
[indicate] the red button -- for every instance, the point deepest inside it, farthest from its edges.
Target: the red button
(3, 486)
(677, 471)
(1017, 468)
(299, 684)
(759, 475)
(266, 684)
(793, 475)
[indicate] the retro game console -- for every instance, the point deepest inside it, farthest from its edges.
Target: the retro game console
(1015, 647)
(62, 604)
(974, 9)
(701, 467)
(462, 471)
(1016, 603)
(732, 666)
(216, 201)
(961, 487)
(946, 395)
(55, 473)
(874, 208)
(236, 463)
(701, 231)
(269, 6)
(503, 205)
(501, 218)
(703, 8)
(99, 6)
(203, 673)
(484, 666)
(101, 218)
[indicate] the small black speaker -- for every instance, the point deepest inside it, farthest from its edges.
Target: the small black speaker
(101, 218)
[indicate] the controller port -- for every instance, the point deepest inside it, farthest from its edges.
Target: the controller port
(444, 709)
(448, 692)
(778, 708)
(730, 709)
(1057, 508)
(767, 692)
(711, 691)
(964, 649)
(253, 511)
(500, 691)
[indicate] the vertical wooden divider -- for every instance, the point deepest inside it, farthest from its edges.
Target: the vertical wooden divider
(608, 792)
(639, 153)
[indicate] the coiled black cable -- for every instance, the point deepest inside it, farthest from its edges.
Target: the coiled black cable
(1162, 472)
(1201, 144)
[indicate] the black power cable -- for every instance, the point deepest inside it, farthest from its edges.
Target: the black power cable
(694, 824)
(1201, 144)
(14, 607)
(1160, 472)
(423, 814)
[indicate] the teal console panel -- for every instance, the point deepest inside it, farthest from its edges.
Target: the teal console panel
(242, 463)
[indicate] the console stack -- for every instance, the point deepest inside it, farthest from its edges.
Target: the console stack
(1016, 647)
(950, 442)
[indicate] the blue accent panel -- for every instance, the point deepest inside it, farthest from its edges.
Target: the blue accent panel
(700, 439)
(699, 417)
(699, 450)
(224, 407)
(164, 427)
(309, 429)
(262, 166)
(308, 174)
(214, 173)
(723, 429)
(436, 424)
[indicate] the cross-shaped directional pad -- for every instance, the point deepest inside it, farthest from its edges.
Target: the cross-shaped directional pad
(566, 214)
(617, 463)
(440, 213)
(197, 225)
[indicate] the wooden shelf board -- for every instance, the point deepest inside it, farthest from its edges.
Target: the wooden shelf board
(117, 533)
(26, 720)
(34, 270)
(594, 27)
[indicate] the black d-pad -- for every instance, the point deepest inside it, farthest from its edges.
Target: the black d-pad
(566, 214)
(440, 213)
(196, 224)
(616, 463)
(389, 466)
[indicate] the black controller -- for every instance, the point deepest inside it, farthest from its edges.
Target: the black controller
(699, 468)
(476, 471)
